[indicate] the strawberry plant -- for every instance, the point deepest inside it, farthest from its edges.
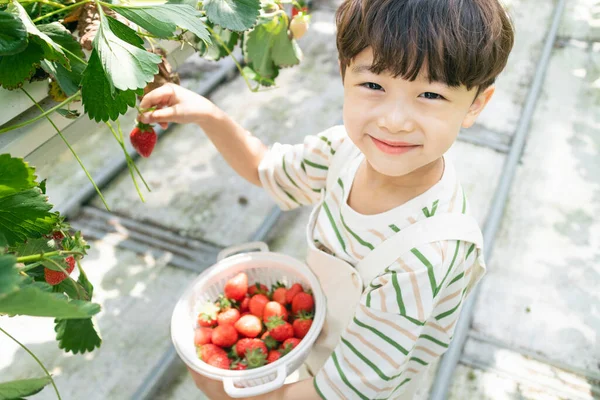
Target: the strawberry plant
(106, 56)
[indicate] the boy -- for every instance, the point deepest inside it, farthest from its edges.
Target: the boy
(414, 72)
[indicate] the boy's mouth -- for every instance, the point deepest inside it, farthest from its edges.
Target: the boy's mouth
(390, 147)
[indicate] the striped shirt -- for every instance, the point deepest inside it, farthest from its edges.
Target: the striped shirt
(406, 317)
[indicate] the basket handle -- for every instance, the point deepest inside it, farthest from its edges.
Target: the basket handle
(257, 390)
(262, 246)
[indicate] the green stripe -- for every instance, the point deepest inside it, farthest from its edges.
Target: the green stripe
(337, 233)
(360, 240)
(303, 166)
(451, 265)
(434, 340)
(314, 165)
(323, 138)
(399, 299)
(316, 190)
(470, 251)
(445, 314)
(369, 294)
(430, 272)
(286, 173)
(433, 209)
(394, 228)
(337, 365)
(341, 183)
(290, 196)
(400, 385)
(369, 362)
(414, 321)
(418, 360)
(464, 209)
(317, 388)
(457, 278)
(381, 335)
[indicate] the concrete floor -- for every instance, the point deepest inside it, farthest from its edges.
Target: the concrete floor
(535, 333)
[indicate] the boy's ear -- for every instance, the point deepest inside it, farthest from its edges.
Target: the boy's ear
(478, 105)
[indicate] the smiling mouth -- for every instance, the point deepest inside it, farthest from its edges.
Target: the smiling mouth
(390, 147)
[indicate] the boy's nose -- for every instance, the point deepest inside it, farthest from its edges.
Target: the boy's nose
(397, 118)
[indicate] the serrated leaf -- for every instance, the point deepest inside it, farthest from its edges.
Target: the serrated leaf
(98, 102)
(250, 73)
(285, 51)
(124, 32)
(52, 50)
(37, 300)
(258, 48)
(22, 388)
(13, 36)
(215, 51)
(15, 175)
(163, 19)
(68, 80)
(25, 215)
(236, 15)
(126, 66)
(77, 335)
(20, 67)
(10, 279)
(72, 289)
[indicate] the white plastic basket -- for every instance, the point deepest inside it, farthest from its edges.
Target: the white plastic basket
(262, 266)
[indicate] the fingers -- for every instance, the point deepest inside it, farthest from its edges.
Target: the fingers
(162, 115)
(161, 95)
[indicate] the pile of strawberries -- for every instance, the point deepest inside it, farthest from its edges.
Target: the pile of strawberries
(250, 326)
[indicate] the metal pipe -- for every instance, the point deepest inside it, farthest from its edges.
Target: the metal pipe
(451, 358)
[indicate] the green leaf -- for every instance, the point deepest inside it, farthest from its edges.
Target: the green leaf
(77, 335)
(15, 175)
(25, 215)
(37, 300)
(20, 67)
(285, 51)
(237, 15)
(10, 279)
(52, 50)
(22, 388)
(98, 101)
(163, 19)
(72, 289)
(69, 114)
(215, 51)
(250, 73)
(258, 47)
(68, 80)
(191, 3)
(125, 65)
(13, 37)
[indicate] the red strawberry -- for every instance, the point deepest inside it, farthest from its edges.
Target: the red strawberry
(269, 341)
(206, 351)
(256, 358)
(302, 324)
(57, 236)
(293, 291)
(219, 361)
(258, 288)
(224, 335)
(296, 11)
(288, 345)
(208, 315)
(237, 287)
(257, 304)
(279, 329)
(249, 326)
(202, 336)
(279, 295)
(143, 139)
(303, 302)
(229, 316)
(246, 344)
(273, 356)
(273, 308)
(245, 304)
(55, 277)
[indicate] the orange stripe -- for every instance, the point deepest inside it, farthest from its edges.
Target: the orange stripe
(381, 353)
(378, 234)
(364, 379)
(323, 236)
(331, 384)
(415, 287)
(453, 200)
(435, 326)
(388, 323)
(426, 350)
(450, 296)
(320, 153)
(342, 229)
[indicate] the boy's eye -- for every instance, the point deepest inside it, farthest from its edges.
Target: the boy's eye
(372, 86)
(432, 96)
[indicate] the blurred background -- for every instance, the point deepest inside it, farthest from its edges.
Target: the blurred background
(530, 166)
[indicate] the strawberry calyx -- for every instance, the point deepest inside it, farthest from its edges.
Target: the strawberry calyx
(304, 315)
(255, 358)
(144, 127)
(270, 342)
(224, 303)
(274, 321)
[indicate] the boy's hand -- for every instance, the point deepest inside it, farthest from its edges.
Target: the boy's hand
(175, 104)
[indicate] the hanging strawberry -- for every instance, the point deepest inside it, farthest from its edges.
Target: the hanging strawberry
(143, 139)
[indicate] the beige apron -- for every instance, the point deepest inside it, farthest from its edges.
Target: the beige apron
(343, 284)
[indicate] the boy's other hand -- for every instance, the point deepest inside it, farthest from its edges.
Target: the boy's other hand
(175, 104)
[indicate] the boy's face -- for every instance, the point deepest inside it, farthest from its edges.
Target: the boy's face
(418, 120)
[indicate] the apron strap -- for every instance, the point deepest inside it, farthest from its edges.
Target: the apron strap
(449, 226)
(345, 153)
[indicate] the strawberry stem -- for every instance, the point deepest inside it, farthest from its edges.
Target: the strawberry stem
(36, 359)
(131, 159)
(42, 256)
(70, 148)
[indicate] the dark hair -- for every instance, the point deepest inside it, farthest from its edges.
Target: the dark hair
(461, 42)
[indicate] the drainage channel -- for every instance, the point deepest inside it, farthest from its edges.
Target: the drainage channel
(452, 357)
